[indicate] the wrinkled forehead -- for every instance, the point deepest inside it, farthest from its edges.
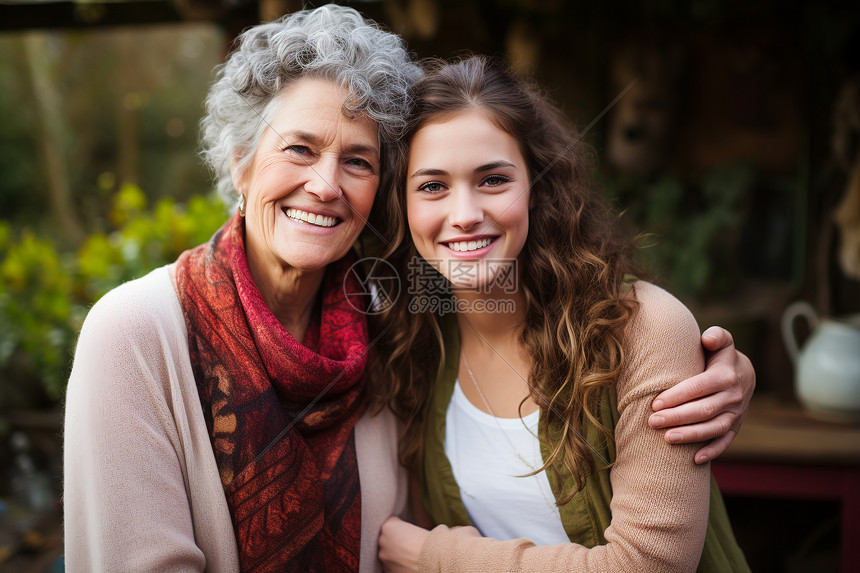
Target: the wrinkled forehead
(317, 104)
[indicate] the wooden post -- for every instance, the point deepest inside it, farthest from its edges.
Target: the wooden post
(51, 134)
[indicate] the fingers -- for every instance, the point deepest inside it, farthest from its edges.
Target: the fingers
(718, 377)
(715, 448)
(392, 521)
(721, 373)
(731, 401)
(713, 428)
(716, 338)
(399, 545)
(710, 405)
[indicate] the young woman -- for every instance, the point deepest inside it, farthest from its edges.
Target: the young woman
(527, 405)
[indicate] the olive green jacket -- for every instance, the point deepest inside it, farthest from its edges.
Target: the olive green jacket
(587, 515)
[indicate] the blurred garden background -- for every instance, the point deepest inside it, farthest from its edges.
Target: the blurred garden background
(99, 183)
(731, 145)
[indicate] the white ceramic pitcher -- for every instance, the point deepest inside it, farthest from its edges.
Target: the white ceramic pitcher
(827, 368)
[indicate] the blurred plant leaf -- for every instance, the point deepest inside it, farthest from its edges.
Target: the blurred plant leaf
(45, 293)
(691, 226)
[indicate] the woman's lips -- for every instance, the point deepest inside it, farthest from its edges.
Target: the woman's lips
(469, 245)
(470, 248)
(315, 219)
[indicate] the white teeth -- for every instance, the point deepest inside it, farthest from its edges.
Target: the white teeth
(311, 218)
(470, 245)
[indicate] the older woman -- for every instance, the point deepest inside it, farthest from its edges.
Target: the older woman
(215, 416)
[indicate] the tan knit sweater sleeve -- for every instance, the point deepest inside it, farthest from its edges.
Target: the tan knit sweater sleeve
(660, 496)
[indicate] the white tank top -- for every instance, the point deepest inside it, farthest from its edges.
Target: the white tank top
(483, 452)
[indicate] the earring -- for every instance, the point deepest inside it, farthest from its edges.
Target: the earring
(242, 204)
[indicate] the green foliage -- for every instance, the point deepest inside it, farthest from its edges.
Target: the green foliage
(44, 294)
(692, 227)
(144, 239)
(35, 309)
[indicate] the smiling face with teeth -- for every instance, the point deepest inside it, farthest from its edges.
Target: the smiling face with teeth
(466, 196)
(312, 181)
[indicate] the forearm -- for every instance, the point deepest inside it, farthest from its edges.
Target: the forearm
(657, 525)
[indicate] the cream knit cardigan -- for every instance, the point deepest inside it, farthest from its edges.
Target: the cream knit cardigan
(141, 486)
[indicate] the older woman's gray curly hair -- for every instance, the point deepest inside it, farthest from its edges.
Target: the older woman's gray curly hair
(331, 42)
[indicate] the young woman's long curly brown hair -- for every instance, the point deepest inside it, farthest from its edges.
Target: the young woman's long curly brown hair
(572, 271)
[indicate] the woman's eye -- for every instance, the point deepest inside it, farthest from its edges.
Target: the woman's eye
(297, 149)
(431, 187)
(494, 180)
(359, 162)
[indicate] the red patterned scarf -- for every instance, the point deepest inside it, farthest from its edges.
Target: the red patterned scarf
(280, 414)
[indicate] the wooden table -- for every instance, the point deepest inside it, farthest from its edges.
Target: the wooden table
(783, 452)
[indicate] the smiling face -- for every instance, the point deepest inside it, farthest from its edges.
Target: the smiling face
(311, 183)
(467, 197)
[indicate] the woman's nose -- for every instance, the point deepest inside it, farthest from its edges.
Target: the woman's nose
(324, 179)
(466, 211)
